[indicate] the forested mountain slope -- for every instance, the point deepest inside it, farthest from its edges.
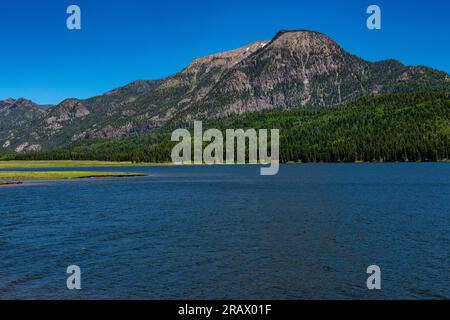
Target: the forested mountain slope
(390, 127)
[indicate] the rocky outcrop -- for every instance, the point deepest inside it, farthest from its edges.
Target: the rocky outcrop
(27, 147)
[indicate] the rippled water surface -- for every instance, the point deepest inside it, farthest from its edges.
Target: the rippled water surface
(227, 233)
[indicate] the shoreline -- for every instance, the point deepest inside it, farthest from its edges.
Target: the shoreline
(43, 164)
(10, 183)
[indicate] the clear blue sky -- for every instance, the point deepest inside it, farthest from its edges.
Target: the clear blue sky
(122, 41)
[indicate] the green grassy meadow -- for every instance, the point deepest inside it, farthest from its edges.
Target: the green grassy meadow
(50, 175)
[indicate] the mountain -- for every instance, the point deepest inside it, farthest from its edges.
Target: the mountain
(297, 69)
(73, 119)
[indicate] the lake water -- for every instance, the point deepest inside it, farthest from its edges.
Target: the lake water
(225, 232)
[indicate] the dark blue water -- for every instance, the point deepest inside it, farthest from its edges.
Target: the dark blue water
(227, 233)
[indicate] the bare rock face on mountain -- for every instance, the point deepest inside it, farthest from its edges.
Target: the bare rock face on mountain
(303, 68)
(15, 117)
(20, 109)
(203, 73)
(294, 70)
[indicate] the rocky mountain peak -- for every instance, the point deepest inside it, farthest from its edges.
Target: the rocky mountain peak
(68, 110)
(17, 103)
(304, 41)
(8, 101)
